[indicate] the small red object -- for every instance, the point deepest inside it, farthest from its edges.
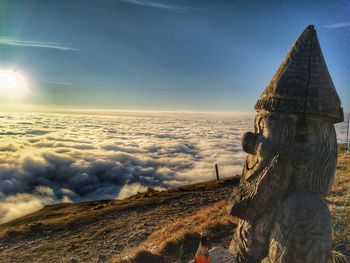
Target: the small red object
(202, 255)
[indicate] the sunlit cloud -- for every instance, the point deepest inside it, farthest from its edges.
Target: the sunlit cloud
(338, 25)
(34, 44)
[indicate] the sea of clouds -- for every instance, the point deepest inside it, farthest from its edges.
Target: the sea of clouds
(47, 158)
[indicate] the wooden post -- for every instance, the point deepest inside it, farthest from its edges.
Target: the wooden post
(217, 172)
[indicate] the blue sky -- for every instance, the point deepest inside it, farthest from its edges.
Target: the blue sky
(163, 55)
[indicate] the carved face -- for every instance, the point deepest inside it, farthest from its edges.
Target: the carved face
(308, 144)
(286, 151)
(265, 175)
(272, 132)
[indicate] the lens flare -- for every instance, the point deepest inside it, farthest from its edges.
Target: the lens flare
(13, 84)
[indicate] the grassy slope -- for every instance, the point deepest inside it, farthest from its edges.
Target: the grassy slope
(339, 205)
(97, 231)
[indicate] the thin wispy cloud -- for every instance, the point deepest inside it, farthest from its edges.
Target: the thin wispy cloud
(338, 25)
(57, 83)
(156, 5)
(34, 44)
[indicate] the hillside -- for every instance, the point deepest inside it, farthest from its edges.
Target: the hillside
(97, 231)
(166, 223)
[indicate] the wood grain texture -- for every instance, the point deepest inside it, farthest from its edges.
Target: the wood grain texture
(291, 165)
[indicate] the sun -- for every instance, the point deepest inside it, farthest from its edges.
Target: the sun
(13, 84)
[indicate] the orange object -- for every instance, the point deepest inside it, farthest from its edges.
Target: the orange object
(202, 255)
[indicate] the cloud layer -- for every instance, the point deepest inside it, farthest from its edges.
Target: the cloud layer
(48, 158)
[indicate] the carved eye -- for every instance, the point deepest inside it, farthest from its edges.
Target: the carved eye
(256, 124)
(261, 125)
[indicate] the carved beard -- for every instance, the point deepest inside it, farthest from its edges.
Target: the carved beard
(264, 181)
(256, 163)
(250, 163)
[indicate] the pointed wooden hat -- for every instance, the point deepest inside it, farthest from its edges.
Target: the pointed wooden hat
(302, 83)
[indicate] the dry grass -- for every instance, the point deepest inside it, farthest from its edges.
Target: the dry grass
(339, 205)
(179, 240)
(100, 230)
(203, 219)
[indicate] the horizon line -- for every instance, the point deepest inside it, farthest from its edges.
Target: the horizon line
(111, 110)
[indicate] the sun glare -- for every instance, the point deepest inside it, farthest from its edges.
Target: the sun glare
(13, 84)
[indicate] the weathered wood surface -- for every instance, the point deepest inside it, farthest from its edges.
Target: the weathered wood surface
(291, 164)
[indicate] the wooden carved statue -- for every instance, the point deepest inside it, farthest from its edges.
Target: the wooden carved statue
(290, 165)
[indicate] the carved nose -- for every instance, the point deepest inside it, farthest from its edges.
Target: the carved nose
(249, 142)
